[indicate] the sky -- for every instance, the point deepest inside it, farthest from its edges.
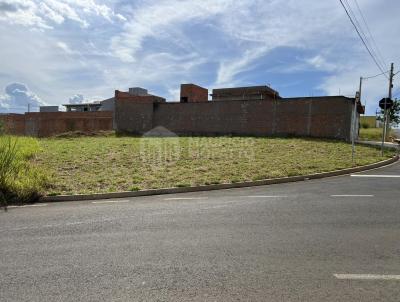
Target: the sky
(56, 52)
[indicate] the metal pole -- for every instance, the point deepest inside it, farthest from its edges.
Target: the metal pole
(385, 109)
(359, 94)
(358, 99)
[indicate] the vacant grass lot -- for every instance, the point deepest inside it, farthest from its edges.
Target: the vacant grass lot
(108, 164)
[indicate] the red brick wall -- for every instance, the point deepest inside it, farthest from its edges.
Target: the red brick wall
(13, 123)
(133, 117)
(121, 95)
(223, 117)
(44, 124)
(245, 93)
(292, 118)
(194, 93)
(328, 117)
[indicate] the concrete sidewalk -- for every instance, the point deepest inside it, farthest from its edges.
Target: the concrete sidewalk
(378, 144)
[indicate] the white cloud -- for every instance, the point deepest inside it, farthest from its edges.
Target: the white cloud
(80, 99)
(158, 17)
(276, 25)
(76, 99)
(91, 7)
(50, 13)
(64, 47)
(63, 9)
(21, 12)
(231, 67)
(47, 13)
(320, 63)
(175, 94)
(18, 98)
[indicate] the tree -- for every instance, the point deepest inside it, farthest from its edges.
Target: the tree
(394, 113)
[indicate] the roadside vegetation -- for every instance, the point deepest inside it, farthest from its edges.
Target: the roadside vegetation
(20, 180)
(109, 163)
(374, 134)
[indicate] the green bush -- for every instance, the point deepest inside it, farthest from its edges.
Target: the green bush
(20, 180)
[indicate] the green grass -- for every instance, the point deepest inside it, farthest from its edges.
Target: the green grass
(109, 164)
(20, 180)
(372, 134)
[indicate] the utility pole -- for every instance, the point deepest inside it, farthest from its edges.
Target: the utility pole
(386, 120)
(354, 127)
(29, 107)
(359, 93)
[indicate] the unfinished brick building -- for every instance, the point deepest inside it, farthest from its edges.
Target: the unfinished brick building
(191, 93)
(258, 111)
(244, 93)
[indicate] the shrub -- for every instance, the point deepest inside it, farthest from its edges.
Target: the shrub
(364, 125)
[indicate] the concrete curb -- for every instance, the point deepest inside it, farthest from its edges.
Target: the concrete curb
(377, 145)
(218, 186)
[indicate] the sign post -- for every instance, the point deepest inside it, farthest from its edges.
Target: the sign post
(385, 104)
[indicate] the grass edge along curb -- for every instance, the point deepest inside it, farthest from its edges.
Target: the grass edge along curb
(269, 181)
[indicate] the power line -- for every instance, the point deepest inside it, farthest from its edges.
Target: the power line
(364, 36)
(358, 25)
(362, 39)
(360, 28)
(374, 76)
(371, 36)
(380, 56)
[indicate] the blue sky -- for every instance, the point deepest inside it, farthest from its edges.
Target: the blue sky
(53, 51)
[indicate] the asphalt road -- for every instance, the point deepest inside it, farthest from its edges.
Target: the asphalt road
(308, 241)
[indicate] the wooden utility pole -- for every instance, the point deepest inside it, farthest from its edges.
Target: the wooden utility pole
(386, 119)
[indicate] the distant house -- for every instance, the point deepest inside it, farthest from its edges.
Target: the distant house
(83, 107)
(108, 104)
(136, 94)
